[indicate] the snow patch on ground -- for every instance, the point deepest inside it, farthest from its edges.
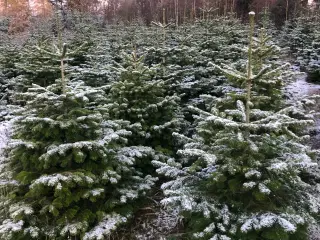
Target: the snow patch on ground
(300, 88)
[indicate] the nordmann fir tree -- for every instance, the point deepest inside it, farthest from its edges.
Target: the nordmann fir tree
(266, 88)
(9, 56)
(75, 174)
(96, 70)
(309, 58)
(138, 98)
(41, 62)
(238, 176)
(164, 26)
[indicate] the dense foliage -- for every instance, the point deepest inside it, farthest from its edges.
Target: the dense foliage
(102, 120)
(302, 34)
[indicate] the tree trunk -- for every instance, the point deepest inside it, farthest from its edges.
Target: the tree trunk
(5, 8)
(44, 8)
(194, 9)
(185, 11)
(176, 6)
(249, 70)
(287, 10)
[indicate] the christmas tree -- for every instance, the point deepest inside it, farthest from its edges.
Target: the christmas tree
(74, 172)
(143, 101)
(41, 62)
(266, 88)
(238, 176)
(309, 58)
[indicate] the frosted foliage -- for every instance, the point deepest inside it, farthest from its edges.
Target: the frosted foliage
(55, 179)
(5, 129)
(16, 143)
(286, 222)
(300, 160)
(209, 158)
(128, 194)
(33, 232)
(9, 227)
(253, 173)
(94, 193)
(137, 188)
(63, 148)
(204, 155)
(209, 229)
(220, 237)
(17, 210)
(105, 227)
(184, 201)
(314, 202)
(112, 176)
(314, 232)
(4, 134)
(264, 189)
(74, 229)
(249, 185)
(225, 215)
(127, 155)
(167, 169)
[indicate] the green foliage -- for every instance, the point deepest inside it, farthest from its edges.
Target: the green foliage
(40, 62)
(302, 36)
(238, 177)
(139, 98)
(72, 172)
(79, 163)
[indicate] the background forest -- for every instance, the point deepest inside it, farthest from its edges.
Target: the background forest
(147, 119)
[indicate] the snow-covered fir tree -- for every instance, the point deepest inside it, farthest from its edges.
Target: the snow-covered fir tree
(143, 101)
(301, 35)
(96, 70)
(309, 58)
(187, 52)
(266, 88)
(9, 56)
(40, 60)
(238, 177)
(73, 169)
(298, 33)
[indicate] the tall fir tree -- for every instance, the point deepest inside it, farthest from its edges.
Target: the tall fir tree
(238, 177)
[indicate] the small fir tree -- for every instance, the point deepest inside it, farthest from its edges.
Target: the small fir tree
(75, 172)
(309, 58)
(268, 71)
(138, 98)
(41, 62)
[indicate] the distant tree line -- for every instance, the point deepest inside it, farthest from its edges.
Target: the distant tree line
(179, 11)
